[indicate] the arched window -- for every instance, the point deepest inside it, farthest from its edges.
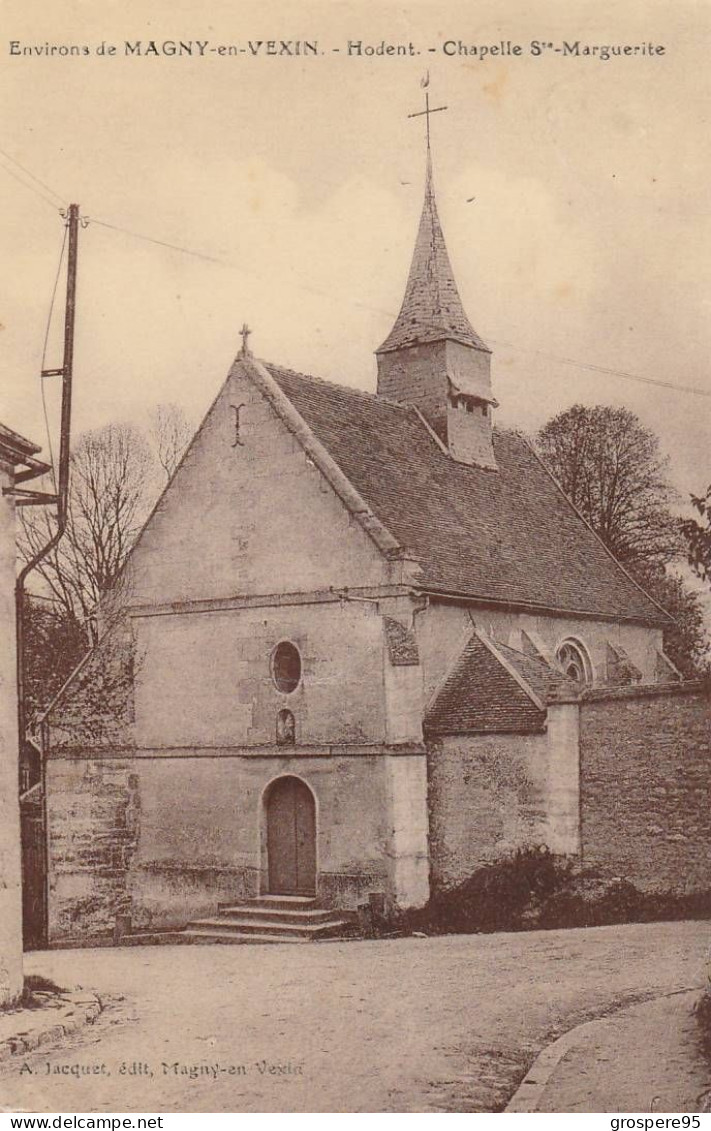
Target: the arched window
(286, 667)
(574, 661)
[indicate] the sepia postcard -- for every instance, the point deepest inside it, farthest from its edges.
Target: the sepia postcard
(355, 558)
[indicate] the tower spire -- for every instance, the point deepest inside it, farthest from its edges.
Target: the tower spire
(431, 309)
(433, 357)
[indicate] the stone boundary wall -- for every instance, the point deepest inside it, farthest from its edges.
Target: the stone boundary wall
(645, 774)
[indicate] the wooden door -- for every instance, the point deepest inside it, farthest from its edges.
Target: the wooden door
(291, 838)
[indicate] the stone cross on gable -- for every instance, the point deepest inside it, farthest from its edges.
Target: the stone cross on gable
(244, 333)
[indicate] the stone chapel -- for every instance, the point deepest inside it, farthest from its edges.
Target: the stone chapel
(382, 702)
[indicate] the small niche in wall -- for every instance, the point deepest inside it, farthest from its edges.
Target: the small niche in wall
(285, 729)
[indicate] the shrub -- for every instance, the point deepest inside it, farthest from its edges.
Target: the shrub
(533, 889)
(495, 897)
(594, 901)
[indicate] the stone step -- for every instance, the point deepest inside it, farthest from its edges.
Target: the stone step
(244, 925)
(276, 903)
(276, 914)
(211, 935)
(272, 918)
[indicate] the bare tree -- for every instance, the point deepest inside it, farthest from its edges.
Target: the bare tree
(171, 433)
(54, 643)
(109, 498)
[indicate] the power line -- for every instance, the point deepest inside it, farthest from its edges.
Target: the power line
(29, 173)
(622, 373)
(604, 369)
(162, 243)
(27, 185)
(44, 358)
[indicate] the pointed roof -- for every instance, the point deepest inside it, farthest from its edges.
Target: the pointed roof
(536, 672)
(481, 696)
(431, 309)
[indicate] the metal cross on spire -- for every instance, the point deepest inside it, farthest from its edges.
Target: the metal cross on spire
(428, 109)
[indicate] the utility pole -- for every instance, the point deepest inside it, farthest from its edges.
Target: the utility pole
(25, 498)
(37, 498)
(68, 362)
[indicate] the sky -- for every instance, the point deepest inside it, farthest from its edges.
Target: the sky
(587, 238)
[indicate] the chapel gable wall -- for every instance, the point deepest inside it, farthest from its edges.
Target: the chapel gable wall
(248, 512)
(206, 678)
(155, 842)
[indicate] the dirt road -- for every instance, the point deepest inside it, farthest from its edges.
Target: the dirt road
(399, 1025)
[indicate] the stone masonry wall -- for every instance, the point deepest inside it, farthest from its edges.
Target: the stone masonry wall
(417, 376)
(165, 839)
(93, 821)
(204, 679)
(645, 765)
(487, 796)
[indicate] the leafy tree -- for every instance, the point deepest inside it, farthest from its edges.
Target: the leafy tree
(116, 473)
(698, 536)
(686, 641)
(612, 469)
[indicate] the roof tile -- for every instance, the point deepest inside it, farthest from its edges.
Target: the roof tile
(481, 696)
(539, 675)
(431, 309)
(508, 536)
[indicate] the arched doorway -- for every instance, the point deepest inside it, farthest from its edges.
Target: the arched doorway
(291, 837)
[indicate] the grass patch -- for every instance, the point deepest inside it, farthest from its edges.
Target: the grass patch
(37, 984)
(42, 985)
(702, 1009)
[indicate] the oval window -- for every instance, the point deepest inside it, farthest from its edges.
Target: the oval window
(286, 667)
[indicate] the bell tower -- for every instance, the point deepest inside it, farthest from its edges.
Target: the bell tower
(433, 358)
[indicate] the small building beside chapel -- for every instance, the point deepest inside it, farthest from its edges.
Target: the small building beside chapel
(18, 464)
(351, 654)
